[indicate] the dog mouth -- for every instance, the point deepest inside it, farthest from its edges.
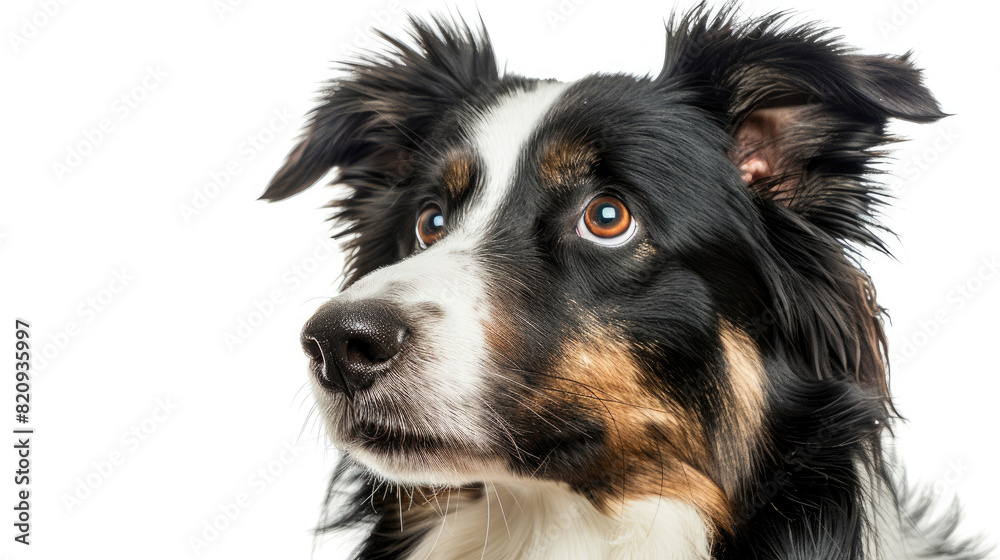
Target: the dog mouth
(398, 443)
(405, 455)
(379, 438)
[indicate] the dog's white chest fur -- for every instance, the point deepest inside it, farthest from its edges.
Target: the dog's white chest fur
(548, 521)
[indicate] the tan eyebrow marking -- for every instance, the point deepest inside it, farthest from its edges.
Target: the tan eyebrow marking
(456, 174)
(566, 162)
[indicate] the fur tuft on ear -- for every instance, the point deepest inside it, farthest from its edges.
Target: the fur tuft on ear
(369, 122)
(806, 116)
(805, 112)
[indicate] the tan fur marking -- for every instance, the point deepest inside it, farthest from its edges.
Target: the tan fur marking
(742, 424)
(456, 175)
(502, 335)
(746, 371)
(599, 371)
(567, 162)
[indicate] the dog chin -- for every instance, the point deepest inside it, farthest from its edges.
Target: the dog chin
(419, 468)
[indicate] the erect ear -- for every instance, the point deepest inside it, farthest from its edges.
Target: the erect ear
(369, 123)
(805, 113)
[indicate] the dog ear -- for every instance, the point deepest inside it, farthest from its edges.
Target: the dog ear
(804, 112)
(369, 123)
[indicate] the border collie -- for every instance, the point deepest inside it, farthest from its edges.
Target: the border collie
(621, 317)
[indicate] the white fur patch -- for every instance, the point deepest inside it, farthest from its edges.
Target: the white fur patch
(535, 520)
(499, 139)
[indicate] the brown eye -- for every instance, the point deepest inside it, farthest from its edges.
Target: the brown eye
(430, 225)
(606, 221)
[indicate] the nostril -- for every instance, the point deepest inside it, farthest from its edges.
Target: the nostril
(361, 351)
(368, 347)
(312, 349)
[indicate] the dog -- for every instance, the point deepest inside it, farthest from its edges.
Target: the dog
(622, 317)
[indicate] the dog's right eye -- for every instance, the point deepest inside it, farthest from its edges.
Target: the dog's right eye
(430, 225)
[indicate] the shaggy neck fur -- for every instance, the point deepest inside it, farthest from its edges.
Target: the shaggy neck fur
(544, 520)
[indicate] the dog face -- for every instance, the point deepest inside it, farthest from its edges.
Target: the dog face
(611, 283)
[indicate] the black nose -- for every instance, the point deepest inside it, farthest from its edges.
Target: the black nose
(350, 344)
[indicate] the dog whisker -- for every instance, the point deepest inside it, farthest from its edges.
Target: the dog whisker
(444, 519)
(486, 539)
(505, 426)
(502, 514)
(399, 499)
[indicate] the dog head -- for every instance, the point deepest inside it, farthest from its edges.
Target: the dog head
(616, 283)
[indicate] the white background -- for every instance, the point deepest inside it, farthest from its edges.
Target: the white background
(213, 78)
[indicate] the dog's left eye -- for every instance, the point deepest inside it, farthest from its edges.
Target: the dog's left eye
(606, 221)
(430, 225)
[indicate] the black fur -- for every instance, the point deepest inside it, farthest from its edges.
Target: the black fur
(777, 259)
